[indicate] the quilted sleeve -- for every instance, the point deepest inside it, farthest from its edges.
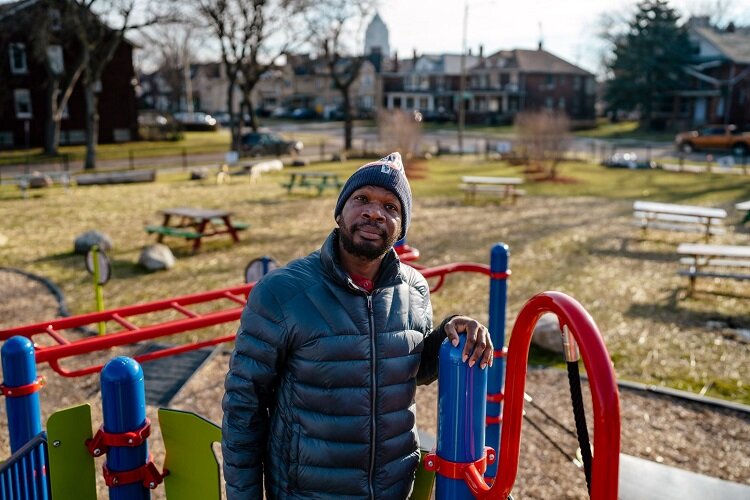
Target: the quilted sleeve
(249, 386)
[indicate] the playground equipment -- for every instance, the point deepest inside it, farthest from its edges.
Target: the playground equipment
(470, 459)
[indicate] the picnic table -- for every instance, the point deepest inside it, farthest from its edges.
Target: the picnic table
(669, 216)
(745, 205)
(714, 261)
(195, 224)
(505, 187)
(315, 180)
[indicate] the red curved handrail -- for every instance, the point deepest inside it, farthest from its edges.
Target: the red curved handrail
(606, 399)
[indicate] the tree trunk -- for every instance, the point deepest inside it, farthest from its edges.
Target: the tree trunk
(52, 125)
(234, 123)
(251, 110)
(348, 122)
(92, 125)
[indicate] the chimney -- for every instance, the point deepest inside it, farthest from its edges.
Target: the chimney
(469, 51)
(481, 51)
(395, 61)
(539, 47)
(414, 54)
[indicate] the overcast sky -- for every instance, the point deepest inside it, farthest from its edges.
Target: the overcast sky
(568, 28)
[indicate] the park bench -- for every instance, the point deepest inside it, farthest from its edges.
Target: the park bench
(714, 261)
(174, 231)
(745, 205)
(125, 177)
(316, 180)
(503, 187)
(684, 218)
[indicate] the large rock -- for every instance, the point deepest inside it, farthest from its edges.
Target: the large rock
(547, 334)
(156, 257)
(85, 241)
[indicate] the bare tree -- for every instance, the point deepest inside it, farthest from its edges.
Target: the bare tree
(400, 131)
(252, 34)
(543, 137)
(172, 49)
(336, 26)
(100, 26)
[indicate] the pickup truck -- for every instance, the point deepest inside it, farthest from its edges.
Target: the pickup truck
(726, 137)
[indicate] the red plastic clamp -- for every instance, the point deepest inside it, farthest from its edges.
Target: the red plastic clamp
(23, 390)
(103, 440)
(147, 474)
(457, 470)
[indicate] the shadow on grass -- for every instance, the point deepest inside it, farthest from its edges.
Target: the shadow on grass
(627, 250)
(672, 311)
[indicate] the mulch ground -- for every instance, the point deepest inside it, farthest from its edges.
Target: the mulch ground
(684, 434)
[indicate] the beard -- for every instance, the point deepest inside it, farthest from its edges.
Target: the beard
(366, 249)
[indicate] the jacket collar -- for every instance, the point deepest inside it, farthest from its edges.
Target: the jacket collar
(390, 267)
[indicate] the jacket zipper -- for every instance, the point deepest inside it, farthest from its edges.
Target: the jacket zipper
(373, 402)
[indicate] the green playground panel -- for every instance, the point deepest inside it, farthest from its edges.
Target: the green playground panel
(423, 482)
(191, 462)
(71, 467)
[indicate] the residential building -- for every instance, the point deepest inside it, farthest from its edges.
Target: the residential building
(496, 87)
(24, 77)
(720, 77)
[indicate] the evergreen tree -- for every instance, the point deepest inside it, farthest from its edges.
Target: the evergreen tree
(647, 62)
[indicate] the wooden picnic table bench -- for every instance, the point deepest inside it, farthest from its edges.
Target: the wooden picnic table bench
(504, 187)
(316, 180)
(672, 217)
(195, 224)
(714, 261)
(745, 205)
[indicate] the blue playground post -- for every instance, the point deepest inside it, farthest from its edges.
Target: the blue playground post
(21, 386)
(461, 419)
(124, 410)
(497, 309)
(19, 371)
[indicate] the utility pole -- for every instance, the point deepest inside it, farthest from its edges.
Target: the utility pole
(462, 85)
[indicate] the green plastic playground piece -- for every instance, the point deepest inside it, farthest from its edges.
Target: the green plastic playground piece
(423, 482)
(193, 468)
(71, 467)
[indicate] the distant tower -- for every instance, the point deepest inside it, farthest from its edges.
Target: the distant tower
(376, 37)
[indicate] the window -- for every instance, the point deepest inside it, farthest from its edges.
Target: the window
(561, 103)
(549, 103)
(18, 59)
(550, 81)
(55, 58)
(22, 98)
(55, 19)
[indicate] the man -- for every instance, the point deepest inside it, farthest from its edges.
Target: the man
(320, 391)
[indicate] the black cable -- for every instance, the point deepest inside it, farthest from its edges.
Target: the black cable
(574, 381)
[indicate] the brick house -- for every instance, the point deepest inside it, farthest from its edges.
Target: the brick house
(24, 88)
(719, 75)
(496, 87)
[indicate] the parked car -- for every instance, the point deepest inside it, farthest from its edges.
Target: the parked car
(157, 126)
(268, 143)
(726, 137)
(196, 121)
(628, 160)
(304, 114)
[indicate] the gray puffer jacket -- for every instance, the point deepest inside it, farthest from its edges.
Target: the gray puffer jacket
(320, 390)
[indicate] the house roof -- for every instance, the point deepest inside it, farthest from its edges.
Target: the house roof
(8, 9)
(734, 45)
(541, 61)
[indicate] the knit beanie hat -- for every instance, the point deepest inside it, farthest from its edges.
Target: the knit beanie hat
(387, 173)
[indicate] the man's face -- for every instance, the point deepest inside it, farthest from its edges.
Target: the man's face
(370, 222)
